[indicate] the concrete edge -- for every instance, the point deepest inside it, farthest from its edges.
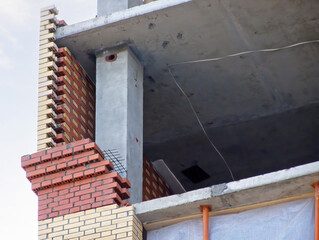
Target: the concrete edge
(101, 21)
(164, 204)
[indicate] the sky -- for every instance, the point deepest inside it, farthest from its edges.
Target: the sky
(19, 47)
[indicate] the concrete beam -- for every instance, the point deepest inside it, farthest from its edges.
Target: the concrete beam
(260, 189)
(119, 111)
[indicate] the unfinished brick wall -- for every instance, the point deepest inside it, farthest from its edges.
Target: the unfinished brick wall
(154, 186)
(72, 178)
(66, 101)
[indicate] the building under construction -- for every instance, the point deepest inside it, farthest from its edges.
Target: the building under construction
(179, 120)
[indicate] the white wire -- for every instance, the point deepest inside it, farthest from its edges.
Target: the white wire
(200, 123)
(245, 53)
(217, 59)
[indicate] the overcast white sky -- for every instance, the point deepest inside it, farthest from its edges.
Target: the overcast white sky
(19, 40)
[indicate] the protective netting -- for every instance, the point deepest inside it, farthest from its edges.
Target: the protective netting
(287, 221)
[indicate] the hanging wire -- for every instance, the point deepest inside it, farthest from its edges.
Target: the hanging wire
(217, 59)
(200, 123)
(245, 53)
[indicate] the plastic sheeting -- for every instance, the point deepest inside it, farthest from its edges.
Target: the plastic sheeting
(287, 221)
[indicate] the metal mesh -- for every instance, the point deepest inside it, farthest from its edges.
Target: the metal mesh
(114, 156)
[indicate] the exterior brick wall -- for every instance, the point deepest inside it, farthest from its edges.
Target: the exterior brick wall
(73, 178)
(66, 100)
(154, 186)
(109, 222)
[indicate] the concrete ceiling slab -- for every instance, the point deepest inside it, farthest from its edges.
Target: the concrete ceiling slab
(237, 91)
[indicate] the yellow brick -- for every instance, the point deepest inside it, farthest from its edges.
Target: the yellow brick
(74, 220)
(74, 230)
(45, 221)
(127, 238)
(122, 230)
(56, 234)
(90, 211)
(43, 23)
(41, 237)
(90, 237)
(104, 229)
(109, 207)
(104, 218)
(58, 238)
(44, 41)
(73, 235)
(56, 229)
(121, 215)
(105, 234)
(57, 223)
(107, 238)
(45, 231)
(86, 227)
(73, 225)
(122, 209)
(89, 216)
(121, 235)
(106, 213)
(89, 221)
(42, 227)
(88, 232)
(121, 225)
(127, 219)
(106, 223)
(73, 215)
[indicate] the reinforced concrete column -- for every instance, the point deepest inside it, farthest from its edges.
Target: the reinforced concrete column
(119, 112)
(106, 7)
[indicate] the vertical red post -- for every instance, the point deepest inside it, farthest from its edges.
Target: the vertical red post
(205, 209)
(316, 186)
(317, 212)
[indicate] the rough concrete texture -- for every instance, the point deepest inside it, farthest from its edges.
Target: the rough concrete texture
(119, 112)
(261, 110)
(106, 7)
(263, 188)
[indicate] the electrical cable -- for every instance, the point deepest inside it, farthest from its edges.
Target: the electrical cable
(217, 59)
(200, 124)
(245, 53)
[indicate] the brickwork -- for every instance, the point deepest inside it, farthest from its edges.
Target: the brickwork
(102, 223)
(66, 100)
(154, 186)
(73, 178)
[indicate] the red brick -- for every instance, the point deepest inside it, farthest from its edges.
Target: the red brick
(56, 149)
(74, 199)
(57, 154)
(53, 214)
(30, 162)
(86, 207)
(85, 196)
(74, 209)
(25, 157)
(38, 154)
(63, 202)
(67, 152)
(46, 158)
(42, 217)
(81, 142)
(97, 204)
(64, 212)
(78, 149)
(74, 189)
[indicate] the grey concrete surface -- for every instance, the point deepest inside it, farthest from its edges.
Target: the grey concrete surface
(106, 7)
(119, 112)
(261, 110)
(273, 186)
